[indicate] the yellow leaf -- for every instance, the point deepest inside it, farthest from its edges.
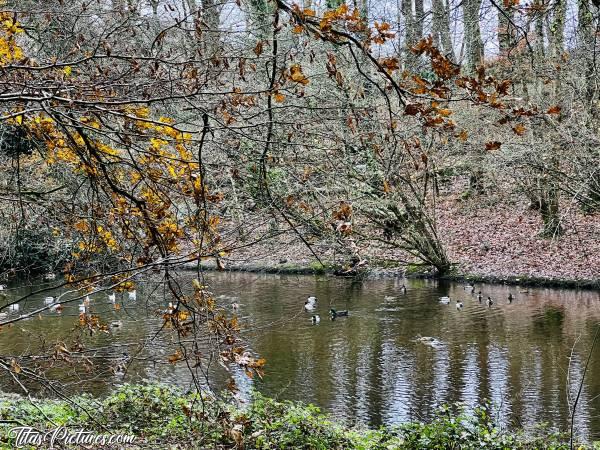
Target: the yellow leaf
(279, 97)
(67, 71)
(14, 366)
(297, 75)
(519, 129)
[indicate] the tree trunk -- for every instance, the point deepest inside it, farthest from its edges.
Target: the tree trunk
(410, 59)
(472, 38)
(549, 203)
(441, 28)
(506, 30)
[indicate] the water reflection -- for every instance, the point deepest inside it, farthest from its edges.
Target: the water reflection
(527, 357)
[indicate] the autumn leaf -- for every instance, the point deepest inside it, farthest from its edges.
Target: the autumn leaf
(259, 48)
(390, 64)
(519, 129)
(297, 75)
(412, 109)
(177, 356)
(279, 97)
(554, 110)
(494, 145)
(67, 71)
(14, 366)
(463, 135)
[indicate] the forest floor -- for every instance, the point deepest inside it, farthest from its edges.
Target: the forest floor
(489, 240)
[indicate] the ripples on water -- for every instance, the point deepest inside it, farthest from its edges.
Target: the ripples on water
(372, 366)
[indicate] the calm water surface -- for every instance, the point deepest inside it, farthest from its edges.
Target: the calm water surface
(526, 357)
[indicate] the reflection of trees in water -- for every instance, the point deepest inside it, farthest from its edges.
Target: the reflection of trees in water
(369, 366)
(549, 323)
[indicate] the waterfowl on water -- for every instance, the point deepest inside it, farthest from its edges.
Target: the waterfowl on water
(235, 306)
(489, 302)
(468, 287)
(14, 307)
(48, 300)
(112, 297)
(459, 305)
(2, 287)
(445, 300)
(312, 299)
(82, 308)
(132, 295)
(309, 306)
(87, 300)
(335, 313)
(315, 319)
(49, 276)
(403, 289)
(479, 297)
(116, 324)
(56, 308)
(510, 297)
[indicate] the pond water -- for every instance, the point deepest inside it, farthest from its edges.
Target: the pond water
(526, 357)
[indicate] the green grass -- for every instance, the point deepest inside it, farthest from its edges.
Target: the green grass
(164, 417)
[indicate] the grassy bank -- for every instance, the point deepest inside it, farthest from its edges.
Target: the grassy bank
(163, 417)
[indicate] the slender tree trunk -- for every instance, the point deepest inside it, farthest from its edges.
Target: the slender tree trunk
(472, 37)
(506, 30)
(441, 28)
(410, 59)
(207, 21)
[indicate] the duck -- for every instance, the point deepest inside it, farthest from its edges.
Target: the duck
(510, 297)
(445, 300)
(82, 308)
(14, 307)
(489, 302)
(235, 306)
(2, 287)
(87, 300)
(479, 297)
(116, 324)
(312, 299)
(468, 287)
(403, 289)
(56, 308)
(335, 313)
(50, 276)
(389, 298)
(459, 305)
(112, 297)
(315, 319)
(309, 306)
(48, 300)
(132, 295)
